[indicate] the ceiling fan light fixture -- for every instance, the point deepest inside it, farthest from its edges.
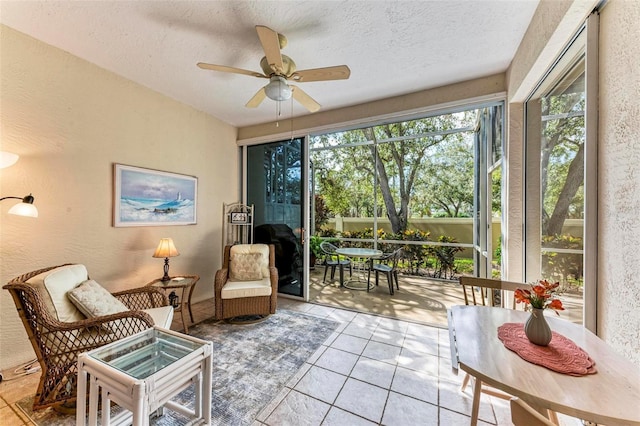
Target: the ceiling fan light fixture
(278, 89)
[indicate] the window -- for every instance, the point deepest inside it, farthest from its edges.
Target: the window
(560, 159)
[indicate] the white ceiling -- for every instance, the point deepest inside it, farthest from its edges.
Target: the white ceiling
(392, 47)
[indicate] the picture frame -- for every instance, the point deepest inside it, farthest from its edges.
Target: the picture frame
(239, 217)
(148, 197)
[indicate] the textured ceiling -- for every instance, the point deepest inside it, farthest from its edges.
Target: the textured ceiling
(392, 47)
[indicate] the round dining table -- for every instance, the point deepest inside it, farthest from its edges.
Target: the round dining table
(360, 262)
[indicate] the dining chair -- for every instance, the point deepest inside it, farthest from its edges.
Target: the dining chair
(333, 260)
(522, 414)
(487, 292)
(388, 265)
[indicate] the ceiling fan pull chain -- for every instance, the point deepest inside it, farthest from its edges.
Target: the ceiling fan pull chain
(291, 118)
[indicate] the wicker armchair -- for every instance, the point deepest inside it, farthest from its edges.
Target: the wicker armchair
(236, 295)
(57, 344)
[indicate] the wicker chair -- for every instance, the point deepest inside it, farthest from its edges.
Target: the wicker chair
(237, 295)
(57, 344)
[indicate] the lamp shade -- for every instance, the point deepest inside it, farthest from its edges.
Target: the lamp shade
(24, 208)
(166, 248)
(278, 89)
(7, 159)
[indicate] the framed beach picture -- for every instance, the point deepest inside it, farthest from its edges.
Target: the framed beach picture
(146, 197)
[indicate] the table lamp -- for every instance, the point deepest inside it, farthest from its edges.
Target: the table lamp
(166, 249)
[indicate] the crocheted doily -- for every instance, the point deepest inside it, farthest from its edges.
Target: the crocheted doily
(561, 355)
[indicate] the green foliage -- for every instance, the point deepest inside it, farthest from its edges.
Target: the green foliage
(445, 257)
(321, 216)
(464, 266)
(365, 234)
(422, 168)
(415, 256)
(327, 232)
(567, 268)
(497, 252)
(562, 144)
(314, 246)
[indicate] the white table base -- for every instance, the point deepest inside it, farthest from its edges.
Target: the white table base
(142, 397)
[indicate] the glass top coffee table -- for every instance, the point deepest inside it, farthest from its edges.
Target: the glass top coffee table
(141, 373)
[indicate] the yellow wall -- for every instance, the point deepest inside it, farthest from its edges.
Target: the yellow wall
(70, 121)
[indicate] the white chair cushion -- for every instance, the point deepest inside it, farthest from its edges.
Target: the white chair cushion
(93, 300)
(237, 289)
(161, 316)
(240, 249)
(56, 283)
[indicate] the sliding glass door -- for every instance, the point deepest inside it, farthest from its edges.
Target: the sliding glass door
(275, 187)
(487, 192)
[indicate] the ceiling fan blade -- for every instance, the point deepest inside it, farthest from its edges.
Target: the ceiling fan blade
(224, 68)
(271, 46)
(339, 72)
(305, 100)
(257, 99)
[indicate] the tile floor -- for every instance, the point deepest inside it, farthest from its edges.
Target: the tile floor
(372, 370)
(377, 370)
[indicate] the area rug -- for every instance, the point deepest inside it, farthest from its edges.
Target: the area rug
(251, 363)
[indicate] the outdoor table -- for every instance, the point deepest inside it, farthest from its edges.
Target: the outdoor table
(360, 261)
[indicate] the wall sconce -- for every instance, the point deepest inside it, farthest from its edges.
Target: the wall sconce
(25, 208)
(7, 159)
(166, 249)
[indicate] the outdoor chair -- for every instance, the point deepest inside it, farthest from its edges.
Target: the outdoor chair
(247, 284)
(65, 314)
(333, 261)
(388, 265)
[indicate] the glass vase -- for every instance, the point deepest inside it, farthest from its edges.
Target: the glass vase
(537, 329)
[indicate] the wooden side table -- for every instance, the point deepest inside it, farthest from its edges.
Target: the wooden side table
(184, 282)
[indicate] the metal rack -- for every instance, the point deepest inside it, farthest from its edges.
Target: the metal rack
(237, 224)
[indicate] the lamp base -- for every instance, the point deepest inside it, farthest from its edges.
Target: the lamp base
(166, 276)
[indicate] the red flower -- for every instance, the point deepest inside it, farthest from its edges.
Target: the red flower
(556, 304)
(541, 296)
(522, 295)
(540, 290)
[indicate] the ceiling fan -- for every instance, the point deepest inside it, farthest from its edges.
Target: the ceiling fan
(279, 69)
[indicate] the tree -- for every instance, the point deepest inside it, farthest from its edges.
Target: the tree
(402, 156)
(400, 159)
(447, 180)
(562, 160)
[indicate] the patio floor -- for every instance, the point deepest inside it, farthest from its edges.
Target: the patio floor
(419, 299)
